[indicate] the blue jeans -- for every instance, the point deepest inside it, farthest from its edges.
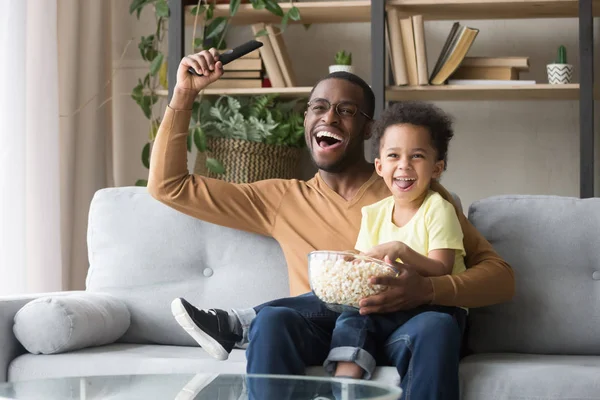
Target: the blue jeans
(289, 334)
(356, 337)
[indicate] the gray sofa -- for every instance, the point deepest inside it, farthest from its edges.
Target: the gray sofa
(542, 345)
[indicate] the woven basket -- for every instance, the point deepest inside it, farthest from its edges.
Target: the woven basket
(246, 161)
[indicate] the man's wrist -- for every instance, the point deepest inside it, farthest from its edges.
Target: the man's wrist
(183, 99)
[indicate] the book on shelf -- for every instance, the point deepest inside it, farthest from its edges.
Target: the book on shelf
(395, 47)
(244, 64)
(420, 50)
(269, 58)
(241, 74)
(236, 84)
(410, 53)
(521, 63)
(459, 41)
(282, 56)
(489, 82)
(495, 68)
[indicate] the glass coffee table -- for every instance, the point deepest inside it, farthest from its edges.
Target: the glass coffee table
(198, 387)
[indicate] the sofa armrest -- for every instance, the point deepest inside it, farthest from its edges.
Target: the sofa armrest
(10, 348)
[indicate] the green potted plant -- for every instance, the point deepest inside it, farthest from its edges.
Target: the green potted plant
(560, 72)
(209, 31)
(343, 62)
(248, 138)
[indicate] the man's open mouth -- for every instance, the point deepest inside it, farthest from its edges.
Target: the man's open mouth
(327, 139)
(404, 183)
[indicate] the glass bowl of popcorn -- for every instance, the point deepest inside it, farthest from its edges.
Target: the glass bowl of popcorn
(340, 279)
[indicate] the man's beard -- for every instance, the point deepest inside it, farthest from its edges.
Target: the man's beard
(346, 160)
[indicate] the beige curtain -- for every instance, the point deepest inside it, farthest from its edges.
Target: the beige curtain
(85, 75)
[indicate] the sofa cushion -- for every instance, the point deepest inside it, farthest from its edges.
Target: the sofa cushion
(520, 376)
(127, 359)
(147, 253)
(552, 244)
(56, 324)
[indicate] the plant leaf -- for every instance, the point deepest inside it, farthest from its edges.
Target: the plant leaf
(146, 106)
(258, 4)
(262, 32)
(162, 75)
(200, 139)
(156, 64)
(214, 166)
(210, 11)
(197, 43)
(141, 182)
(233, 7)
(162, 8)
(198, 10)
(189, 142)
(137, 6)
(284, 21)
(273, 7)
(294, 13)
(146, 155)
(216, 27)
(153, 129)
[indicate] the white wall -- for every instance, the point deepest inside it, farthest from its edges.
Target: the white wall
(523, 147)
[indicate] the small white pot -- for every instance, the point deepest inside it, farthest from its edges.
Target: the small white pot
(559, 73)
(345, 68)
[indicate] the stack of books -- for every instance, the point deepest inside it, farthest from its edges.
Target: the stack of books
(405, 41)
(243, 73)
(269, 66)
(491, 71)
(277, 65)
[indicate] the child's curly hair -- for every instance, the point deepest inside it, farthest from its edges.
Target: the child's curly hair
(426, 115)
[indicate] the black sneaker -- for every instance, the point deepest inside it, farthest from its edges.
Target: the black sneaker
(210, 329)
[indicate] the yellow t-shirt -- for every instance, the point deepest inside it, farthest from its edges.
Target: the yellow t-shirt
(434, 226)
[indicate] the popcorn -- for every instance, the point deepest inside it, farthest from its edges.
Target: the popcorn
(346, 281)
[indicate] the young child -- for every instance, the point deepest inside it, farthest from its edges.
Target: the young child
(415, 226)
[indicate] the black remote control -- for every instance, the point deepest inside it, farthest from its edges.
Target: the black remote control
(234, 54)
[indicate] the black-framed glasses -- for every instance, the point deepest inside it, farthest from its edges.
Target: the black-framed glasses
(343, 109)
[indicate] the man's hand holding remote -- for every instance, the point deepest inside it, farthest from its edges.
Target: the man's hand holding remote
(189, 85)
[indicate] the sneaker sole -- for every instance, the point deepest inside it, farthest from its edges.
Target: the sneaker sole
(210, 345)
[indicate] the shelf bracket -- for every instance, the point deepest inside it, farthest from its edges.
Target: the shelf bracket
(175, 43)
(586, 99)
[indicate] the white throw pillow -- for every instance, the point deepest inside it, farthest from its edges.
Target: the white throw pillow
(51, 325)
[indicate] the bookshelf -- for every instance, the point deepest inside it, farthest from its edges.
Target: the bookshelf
(483, 92)
(490, 9)
(348, 11)
(312, 12)
(286, 92)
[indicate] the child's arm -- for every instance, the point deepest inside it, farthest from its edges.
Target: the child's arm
(436, 263)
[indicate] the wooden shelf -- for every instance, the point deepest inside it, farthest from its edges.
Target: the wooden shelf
(432, 93)
(310, 12)
(484, 92)
(283, 92)
(347, 11)
(490, 9)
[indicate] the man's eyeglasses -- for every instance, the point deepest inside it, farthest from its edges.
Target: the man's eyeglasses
(343, 109)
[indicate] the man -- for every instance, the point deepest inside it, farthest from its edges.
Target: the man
(321, 214)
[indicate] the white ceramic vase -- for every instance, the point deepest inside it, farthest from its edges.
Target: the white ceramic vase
(337, 67)
(559, 73)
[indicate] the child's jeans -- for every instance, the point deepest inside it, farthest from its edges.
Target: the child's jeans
(356, 337)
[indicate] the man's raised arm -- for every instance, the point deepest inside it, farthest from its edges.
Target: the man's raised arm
(250, 207)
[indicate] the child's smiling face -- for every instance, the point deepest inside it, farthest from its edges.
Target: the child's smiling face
(408, 161)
